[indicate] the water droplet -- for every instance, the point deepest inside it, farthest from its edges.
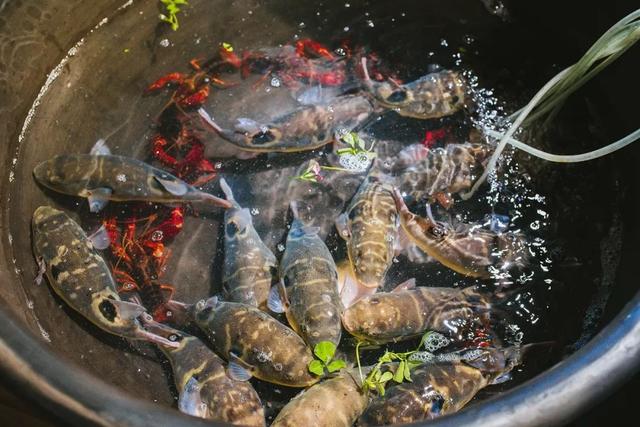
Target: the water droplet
(164, 42)
(301, 25)
(370, 23)
(346, 29)
(347, 5)
(280, 247)
(535, 225)
(340, 51)
(121, 177)
(254, 211)
(157, 235)
(468, 39)
(275, 82)
(443, 42)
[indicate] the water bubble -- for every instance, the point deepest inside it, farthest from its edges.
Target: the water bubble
(443, 42)
(275, 82)
(347, 5)
(468, 39)
(254, 211)
(340, 51)
(164, 42)
(346, 29)
(121, 177)
(535, 225)
(157, 235)
(370, 23)
(280, 247)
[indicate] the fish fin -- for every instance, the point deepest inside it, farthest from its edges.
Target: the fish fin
(127, 310)
(98, 198)
(246, 125)
(190, 401)
(278, 301)
(100, 238)
(405, 286)
(502, 378)
(238, 369)
(42, 269)
(342, 226)
(177, 188)
(227, 191)
(310, 229)
(145, 335)
(207, 119)
(100, 148)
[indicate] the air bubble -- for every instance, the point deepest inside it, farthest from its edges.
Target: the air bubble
(157, 235)
(254, 211)
(280, 247)
(275, 82)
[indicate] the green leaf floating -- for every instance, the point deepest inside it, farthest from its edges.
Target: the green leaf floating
(324, 351)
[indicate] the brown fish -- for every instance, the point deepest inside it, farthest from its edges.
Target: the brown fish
(81, 277)
(468, 250)
(309, 286)
(248, 262)
(204, 386)
(255, 344)
(407, 313)
(432, 96)
(336, 402)
(370, 227)
(101, 177)
(440, 388)
(427, 173)
(306, 128)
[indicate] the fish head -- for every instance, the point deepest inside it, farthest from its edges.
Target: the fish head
(238, 223)
(368, 269)
(390, 94)
(251, 134)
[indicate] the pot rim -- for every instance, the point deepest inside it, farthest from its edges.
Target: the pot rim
(551, 398)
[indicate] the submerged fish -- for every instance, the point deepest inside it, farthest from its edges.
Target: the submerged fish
(432, 96)
(370, 227)
(309, 289)
(248, 262)
(468, 250)
(440, 388)
(205, 388)
(406, 313)
(336, 402)
(81, 277)
(427, 173)
(101, 177)
(307, 128)
(255, 344)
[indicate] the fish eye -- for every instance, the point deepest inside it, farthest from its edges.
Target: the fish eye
(108, 310)
(232, 228)
(263, 137)
(352, 214)
(436, 404)
(397, 96)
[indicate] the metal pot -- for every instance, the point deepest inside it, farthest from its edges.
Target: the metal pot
(95, 382)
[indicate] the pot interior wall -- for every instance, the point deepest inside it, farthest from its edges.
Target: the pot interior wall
(98, 93)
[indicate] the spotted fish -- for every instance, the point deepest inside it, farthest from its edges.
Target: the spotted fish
(306, 128)
(309, 287)
(336, 402)
(248, 262)
(255, 344)
(468, 250)
(428, 174)
(432, 96)
(101, 177)
(441, 388)
(81, 277)
(204, 386)
(370, 227)
(406, 313)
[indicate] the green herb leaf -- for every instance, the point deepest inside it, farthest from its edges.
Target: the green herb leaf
(399, 374)
(380, 389)
(386, 377)
(325, 350)
(316, 367)
(336, 365)
(407, 372)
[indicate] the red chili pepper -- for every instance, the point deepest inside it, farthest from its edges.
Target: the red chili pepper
(230, 57)
(309, 48)
(433, 136)
(172, 78)
(196, 99)
(159, 151)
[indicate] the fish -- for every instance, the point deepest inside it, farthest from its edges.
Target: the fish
(102, 177)
(79, 275)
(254, 343)
(431, 96)
(405, 313)
(435, 174)
(438, 389)
(370, 228)
(308, 292)
(204, 386)
(335, 402)
(306, 128)
(467, 249)
(248, 262)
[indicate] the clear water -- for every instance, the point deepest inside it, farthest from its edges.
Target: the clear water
(97, 92)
